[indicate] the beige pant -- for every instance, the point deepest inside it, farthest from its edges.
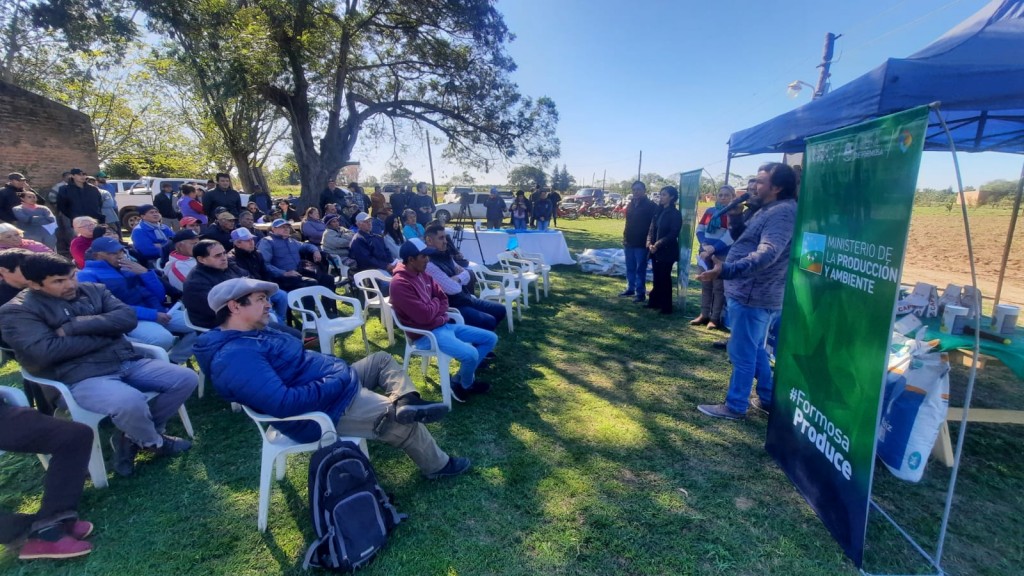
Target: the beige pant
(364, 417)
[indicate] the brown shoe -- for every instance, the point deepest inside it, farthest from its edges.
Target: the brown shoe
(700, 321)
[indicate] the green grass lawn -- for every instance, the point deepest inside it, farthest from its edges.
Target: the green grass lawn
(589, 458)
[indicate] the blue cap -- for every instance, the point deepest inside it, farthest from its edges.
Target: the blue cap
(105, 244)
(279, 222)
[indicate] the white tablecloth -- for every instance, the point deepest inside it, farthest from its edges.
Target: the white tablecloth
(551, 244)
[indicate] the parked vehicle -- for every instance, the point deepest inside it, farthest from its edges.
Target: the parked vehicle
(477, 210)
(141, 192)
(588, 195)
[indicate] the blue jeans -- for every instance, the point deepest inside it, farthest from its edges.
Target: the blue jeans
(481, 313)
(636, 270)
(542, 225)
(749, 358)
(466, 344)
(519, 223)
(156, 334)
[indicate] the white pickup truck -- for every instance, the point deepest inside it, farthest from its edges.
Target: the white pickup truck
(143, 191)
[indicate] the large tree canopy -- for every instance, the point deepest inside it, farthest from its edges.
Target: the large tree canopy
(336, 69)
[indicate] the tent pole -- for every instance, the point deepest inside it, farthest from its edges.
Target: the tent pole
(1009, 238)
(728, 163)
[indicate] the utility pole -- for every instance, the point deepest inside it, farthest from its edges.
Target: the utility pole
(430, 158)
(826, 63)
(639, 165)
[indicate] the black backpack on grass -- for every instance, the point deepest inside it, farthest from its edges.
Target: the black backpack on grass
(352, 515)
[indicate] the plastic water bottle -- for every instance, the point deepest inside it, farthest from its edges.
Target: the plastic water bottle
(513, 242)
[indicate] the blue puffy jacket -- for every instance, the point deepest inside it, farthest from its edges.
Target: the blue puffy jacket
(270, 372)
(145, 241)
(143, 292)
(283, 254)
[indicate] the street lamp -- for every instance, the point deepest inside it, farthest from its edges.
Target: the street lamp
(794, 88)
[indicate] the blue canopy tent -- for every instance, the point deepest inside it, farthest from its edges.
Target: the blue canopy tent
(975, 71)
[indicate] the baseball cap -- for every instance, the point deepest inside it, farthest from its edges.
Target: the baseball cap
(241, 234)
(183, 235)
(104, 244)
(146, 208)
(362, 217)
(234, 289)
(187, 221)
(412, 248)
(330, 218)
(225, 215)
(101, 174)
(15, 176)
(75, 171)
(278, 223)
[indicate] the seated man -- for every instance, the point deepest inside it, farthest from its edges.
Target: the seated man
(369, 250)
(455, 281)
(150, 234)
(75, 333)
(55, 530)
(212, 268)
(245, 256)
(420, 303)
(140, 288)
(180, 261)
(289, 259)
(83, 226)
(271, 373)
(221, 227)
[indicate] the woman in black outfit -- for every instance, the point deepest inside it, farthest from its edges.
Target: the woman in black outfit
(663, 244)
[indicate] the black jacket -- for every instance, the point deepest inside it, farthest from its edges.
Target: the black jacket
(215, 232)
(638, 223)
(217, 198)
(335, 197)
(198, 284)
(665, 232)
(252, 263)
(73, 202)
(167, 206)
(8, 200)
(94, 325)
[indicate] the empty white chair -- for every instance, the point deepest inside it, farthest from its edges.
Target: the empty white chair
(538, 262)
(443, 360)
(373, 297)
(498, 287)
(97, 469)
(277, 447)
(317, 320)
(524, 271)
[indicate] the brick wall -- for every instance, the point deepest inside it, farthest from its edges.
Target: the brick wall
(42, 138)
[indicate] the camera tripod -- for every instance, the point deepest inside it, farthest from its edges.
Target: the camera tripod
(458, 221)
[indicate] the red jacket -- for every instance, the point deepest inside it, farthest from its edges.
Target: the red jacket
(418, 301)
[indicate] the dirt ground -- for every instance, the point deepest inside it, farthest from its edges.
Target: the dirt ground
(937, 251)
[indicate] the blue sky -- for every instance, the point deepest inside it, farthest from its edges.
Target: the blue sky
(675, 79)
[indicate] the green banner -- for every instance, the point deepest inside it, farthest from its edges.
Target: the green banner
(689, 195)
(844, 271)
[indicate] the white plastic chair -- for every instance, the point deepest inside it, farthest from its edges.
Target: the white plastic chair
(316, 320)
(498, 287)
(198, 330)
(373, 297)
(97, 468)
(277, 447)
(539, 265)
(15, 397)
(443, 360)
(525, 271)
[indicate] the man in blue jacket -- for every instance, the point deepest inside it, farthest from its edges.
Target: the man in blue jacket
(151, 234)
(140, 288)
(287, 257)
(272, 373)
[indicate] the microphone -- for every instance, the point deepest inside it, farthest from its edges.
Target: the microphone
(739, 200)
